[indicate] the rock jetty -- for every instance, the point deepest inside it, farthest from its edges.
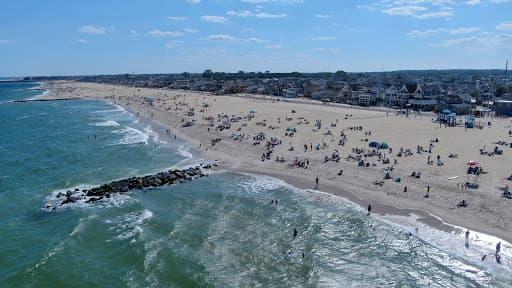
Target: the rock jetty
(125, 185)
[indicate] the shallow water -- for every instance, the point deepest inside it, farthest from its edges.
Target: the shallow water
(219, 231)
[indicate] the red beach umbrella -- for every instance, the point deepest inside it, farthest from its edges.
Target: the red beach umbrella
(472, 163)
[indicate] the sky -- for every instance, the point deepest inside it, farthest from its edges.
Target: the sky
(62, 37)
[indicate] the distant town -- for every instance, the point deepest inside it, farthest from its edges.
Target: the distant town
(461, 91)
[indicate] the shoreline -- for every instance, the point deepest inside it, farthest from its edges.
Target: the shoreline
(382, 208)
(378, 208)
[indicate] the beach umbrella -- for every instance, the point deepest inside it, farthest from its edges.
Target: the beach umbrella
(383, 145)
(373, 144)
(252, 111)
(472, 163)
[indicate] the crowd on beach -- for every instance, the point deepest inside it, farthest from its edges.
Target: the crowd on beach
(408, 169)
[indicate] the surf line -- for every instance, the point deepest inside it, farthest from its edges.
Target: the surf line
(169, 177)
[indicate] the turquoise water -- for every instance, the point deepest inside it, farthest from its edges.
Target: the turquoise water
(217, 231)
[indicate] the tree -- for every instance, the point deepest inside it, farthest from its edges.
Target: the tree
(219, 75)
(185, 74)
(500, 90)
(341, 74)
(208, 74)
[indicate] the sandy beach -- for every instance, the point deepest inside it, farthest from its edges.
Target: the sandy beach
(303, 133)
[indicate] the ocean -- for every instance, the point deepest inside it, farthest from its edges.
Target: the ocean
(216, 231)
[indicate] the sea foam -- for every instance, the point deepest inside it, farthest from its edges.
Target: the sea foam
(131, 136)
(450, 242)
(108, 123)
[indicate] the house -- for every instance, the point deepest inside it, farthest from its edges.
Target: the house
(362, 96)
(404, 93)
(423, 104)
(503, 108)
(391, 95)
(418, 92)
(344, 95)
(433, 91)
(290, 92)
(377, 92)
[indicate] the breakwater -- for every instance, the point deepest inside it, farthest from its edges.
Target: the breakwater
(44, 100)
(98, 193)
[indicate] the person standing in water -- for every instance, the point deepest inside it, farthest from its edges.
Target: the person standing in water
(295, 233)
(369, 209)
(467, 239)
(498, 250)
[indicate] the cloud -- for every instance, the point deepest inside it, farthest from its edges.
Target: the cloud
(241, 13)
(221, 37)
(506, 26)
(83, 41)
(500, 1)
(488, 41)
(429, 2)
(3, 41)
(322, 16)
(419, 12)
(277, 1)
(430, 32)
(273, 46)
(214, 19)
(328, 50)
(268, 15)
(94, 29)
(177, 18)
(194, 1)
(247, 13)
(254, 39)
(404, 10)
(133, 33)
(230, 38)
(173, 44)
(438, 14)
(190, 30)
(369, 7)
(160, 33)
(324, 38)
